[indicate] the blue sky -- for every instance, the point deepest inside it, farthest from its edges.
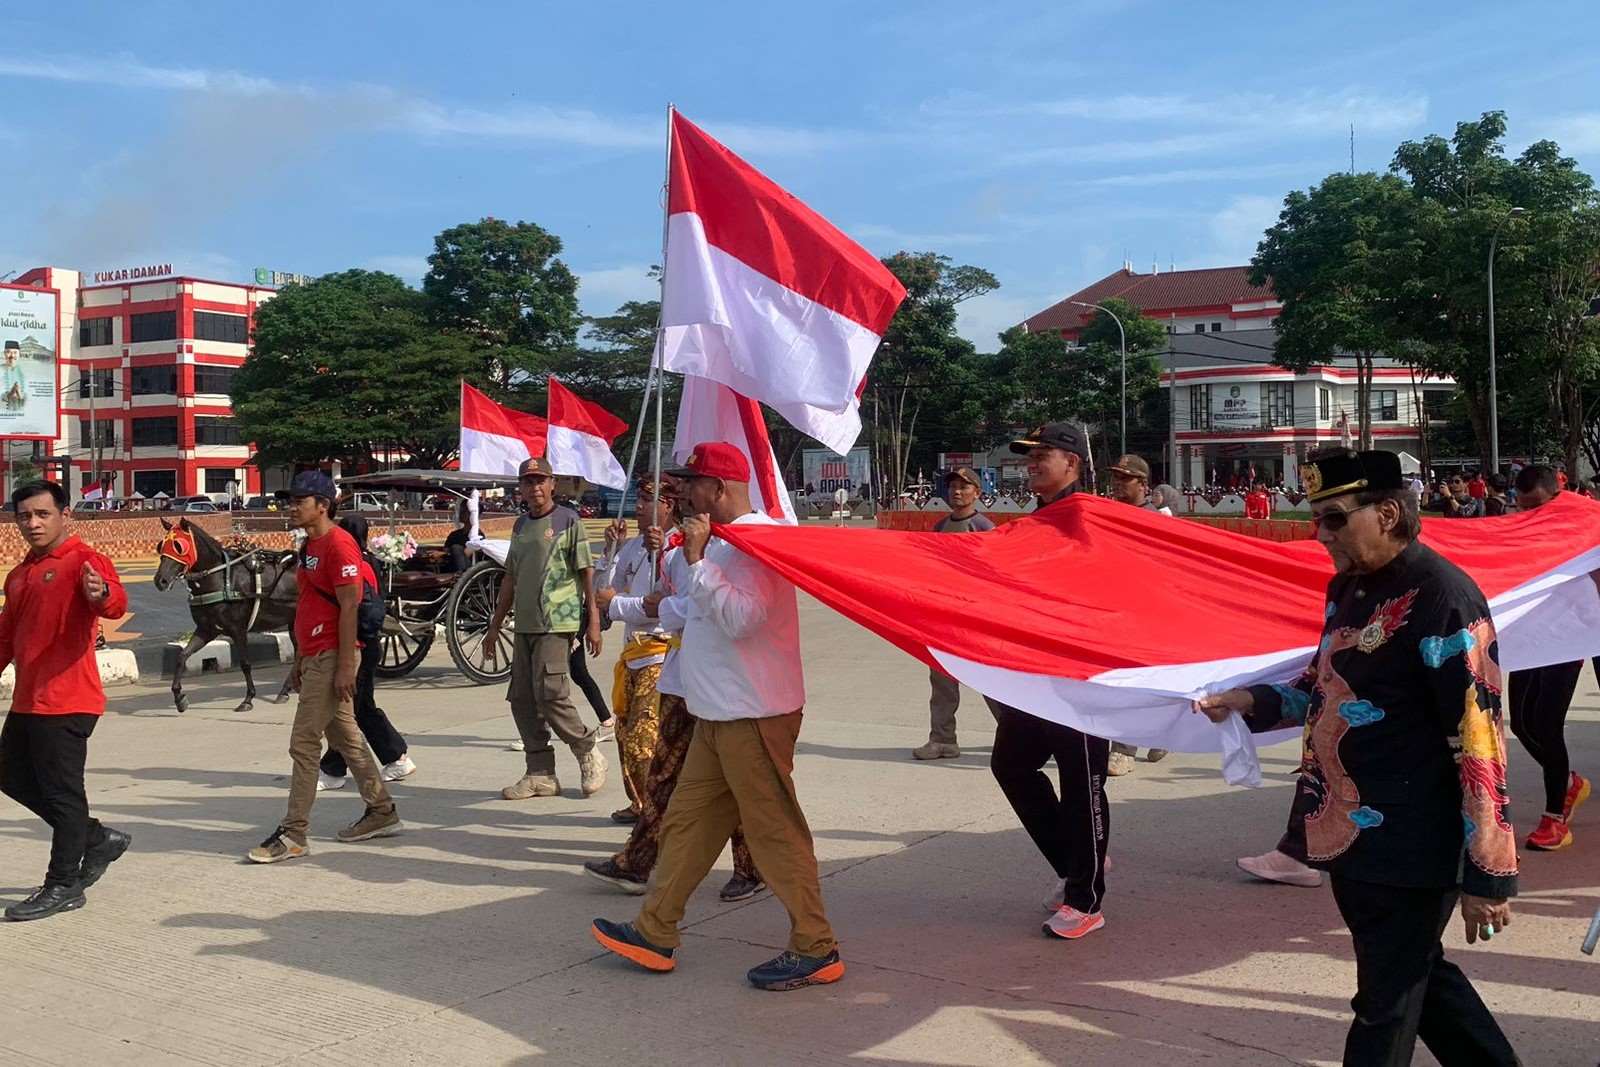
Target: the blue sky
(1045, 142)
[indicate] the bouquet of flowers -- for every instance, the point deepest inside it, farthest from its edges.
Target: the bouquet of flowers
(393, 549)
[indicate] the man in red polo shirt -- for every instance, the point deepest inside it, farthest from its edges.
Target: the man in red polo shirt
(54, 599)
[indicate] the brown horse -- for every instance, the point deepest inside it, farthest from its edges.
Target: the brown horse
(230, 593)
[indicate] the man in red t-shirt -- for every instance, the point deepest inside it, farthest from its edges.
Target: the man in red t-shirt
(326, 654)
(1258, 503)
(54, 601)
(1477, 488)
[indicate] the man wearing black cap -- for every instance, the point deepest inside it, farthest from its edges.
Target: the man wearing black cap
(1402, 791)
(1072, 829)
(1130, 484)
(327, 655)
(961, 489)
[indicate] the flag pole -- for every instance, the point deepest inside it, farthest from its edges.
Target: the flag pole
(657, 369)
(638, 432)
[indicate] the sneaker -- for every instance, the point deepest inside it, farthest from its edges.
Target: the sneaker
(1056, 895)
(1120, 763)
(592, 766)
(370, 825)
(1577, 793)
(791, 970)
(607, 731)
(280, 846)
(625, 816)
(741, 888)
(532, 785)
(1551, 833)
(626, 942)
(400, 768)
(46, 901)
(515, 746)
(1155, 755)
(1070, 923)
(102, 854)
(326, 782)
(935, 750)
(611, 872)
(1277, 866)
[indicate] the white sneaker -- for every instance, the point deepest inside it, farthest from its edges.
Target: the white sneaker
(328, 781)
(515, 746)
(1277, 866)
(400, 768)
(1071, 924)
(607, 731)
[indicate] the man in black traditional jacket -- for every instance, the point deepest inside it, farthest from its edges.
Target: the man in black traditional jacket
(1403, 775)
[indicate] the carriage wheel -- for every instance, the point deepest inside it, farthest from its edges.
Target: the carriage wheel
(466, 624)
(402, 652)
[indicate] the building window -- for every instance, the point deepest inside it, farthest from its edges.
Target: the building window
(1216, 327)
(1199, 407)
(101, 382)
(1324, 403)
(215, 430)
(212, 326)
(210, 379)
(104, 429)
(1385, 405)
(217, 479)
(1436, 404)
(94, 332)
(1277, 402)
(155, 433)
(150, 483)
(153, 326)
(155, 381)
(1199, 327)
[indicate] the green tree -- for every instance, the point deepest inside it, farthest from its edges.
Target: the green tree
(349, 364)
(1333, 258)
(502, 284)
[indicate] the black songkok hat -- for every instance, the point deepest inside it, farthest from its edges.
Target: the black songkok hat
(1341, 470)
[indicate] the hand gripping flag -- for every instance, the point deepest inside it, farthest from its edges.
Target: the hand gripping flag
(766, 296)
(1111, 619)
(580, 438)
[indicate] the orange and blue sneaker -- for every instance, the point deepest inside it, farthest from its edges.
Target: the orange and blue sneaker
(628, 943)
(790, 970)
(1577, 793)
(1552, 833)
(1070, 923)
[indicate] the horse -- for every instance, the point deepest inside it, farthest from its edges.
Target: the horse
(230, 593)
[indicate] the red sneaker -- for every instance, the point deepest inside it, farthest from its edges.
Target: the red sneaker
(1577, 793)
(1551, 834)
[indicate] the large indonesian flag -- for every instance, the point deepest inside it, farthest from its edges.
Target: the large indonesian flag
(1111, 619)
(764, 295)
(580, 436)
(496, 439)
(710, 411)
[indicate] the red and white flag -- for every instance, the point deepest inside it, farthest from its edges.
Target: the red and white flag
(766, 296)
(496, 439)
(710, 411)
(1062, 638)
(580, 438)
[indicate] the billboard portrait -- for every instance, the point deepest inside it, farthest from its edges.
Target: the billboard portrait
(826, 472)
(28, 340)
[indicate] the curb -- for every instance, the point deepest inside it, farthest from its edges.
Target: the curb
(161, 661)
(117, 666)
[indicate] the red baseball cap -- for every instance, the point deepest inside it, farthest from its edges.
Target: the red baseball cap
(714, 459)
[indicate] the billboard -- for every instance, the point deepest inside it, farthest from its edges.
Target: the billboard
(824, 472)
(29, 335)
(1236, 407)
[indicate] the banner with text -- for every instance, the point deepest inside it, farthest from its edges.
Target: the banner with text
(28, 337)
(825, 471)
(1236, 407)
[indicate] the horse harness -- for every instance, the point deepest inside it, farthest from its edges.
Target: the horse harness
(180, 547)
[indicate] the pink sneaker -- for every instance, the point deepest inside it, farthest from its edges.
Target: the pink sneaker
(1071, 924)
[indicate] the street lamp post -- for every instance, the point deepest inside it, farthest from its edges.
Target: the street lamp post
(1494, 398)
(1122, 344)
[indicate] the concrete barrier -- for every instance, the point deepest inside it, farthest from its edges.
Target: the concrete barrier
(117, 666)
(162, 660)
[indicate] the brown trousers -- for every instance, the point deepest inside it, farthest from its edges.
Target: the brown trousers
(739, 772)
(322, 714)
(675, 728)
(541, 700)
(942, 705)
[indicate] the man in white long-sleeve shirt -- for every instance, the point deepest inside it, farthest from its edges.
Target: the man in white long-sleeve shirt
(741, 674)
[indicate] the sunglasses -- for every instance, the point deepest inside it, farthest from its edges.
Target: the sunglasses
(1335, 520)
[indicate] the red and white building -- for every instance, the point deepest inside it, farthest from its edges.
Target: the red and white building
(1235, 413)
(147, 365)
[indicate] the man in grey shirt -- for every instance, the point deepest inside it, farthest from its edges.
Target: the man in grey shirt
(961, 489)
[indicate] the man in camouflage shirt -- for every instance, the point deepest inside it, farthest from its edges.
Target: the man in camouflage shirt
(548, 560)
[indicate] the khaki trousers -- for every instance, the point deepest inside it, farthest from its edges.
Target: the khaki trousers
(541, 700)
(322, 714)
(738, 772)
(942, 705)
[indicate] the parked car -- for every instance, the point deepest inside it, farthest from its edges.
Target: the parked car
(195, 504)
(364, 502)
(261, 503)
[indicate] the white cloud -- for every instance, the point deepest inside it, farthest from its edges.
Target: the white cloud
(886, 240)
(981, 319)
(127, 73)
(1577, 132)
(531, 123)
(1193, 175)
(602, 290)
(409, 269)
(1308, 111)
(1238, 227)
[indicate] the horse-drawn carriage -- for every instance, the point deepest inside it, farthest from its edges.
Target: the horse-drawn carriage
(236, 591)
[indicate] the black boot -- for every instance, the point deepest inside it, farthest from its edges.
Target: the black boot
(46, 902)
(102, 854)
